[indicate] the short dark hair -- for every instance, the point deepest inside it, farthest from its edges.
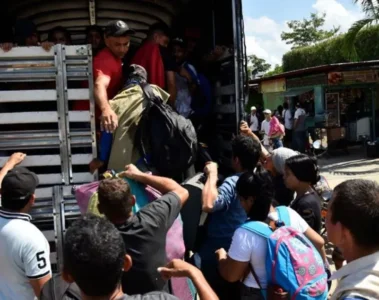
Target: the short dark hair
(285, 105)
(355, 204)
(161, 28)
(94, 255)
(304, 167)
(247, 150)
(257, 184)
(59, 29)
(115, 198)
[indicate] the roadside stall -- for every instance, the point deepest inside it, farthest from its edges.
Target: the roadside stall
(339, 98)
(350, 103)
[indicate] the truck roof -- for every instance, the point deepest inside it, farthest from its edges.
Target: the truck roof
(77, 15)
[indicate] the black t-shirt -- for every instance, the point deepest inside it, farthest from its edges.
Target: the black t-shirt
(308, 207)
(144, 236)
(168, 60)
(56, 288)
(150, 296)
(283, 195)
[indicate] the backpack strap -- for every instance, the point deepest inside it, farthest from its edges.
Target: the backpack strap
(259, 228)
(263, 230)
(284, 215)
(149, 95)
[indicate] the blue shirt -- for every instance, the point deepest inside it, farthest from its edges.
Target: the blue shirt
(228, 214)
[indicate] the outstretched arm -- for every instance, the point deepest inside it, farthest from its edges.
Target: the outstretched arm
(162, 184)
(179, 268)
(13, 161)
(245, 130)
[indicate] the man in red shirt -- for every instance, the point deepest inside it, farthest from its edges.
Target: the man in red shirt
(107, 68)
(160, 65)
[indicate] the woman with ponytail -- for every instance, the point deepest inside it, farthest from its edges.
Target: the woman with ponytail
(301, 173)
(256, 194)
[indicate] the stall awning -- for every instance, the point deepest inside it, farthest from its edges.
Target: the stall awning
(297, 92)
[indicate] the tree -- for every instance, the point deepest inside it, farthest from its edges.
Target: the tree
(307, 31)
(371, 11)
(257, 65)
(277, 70)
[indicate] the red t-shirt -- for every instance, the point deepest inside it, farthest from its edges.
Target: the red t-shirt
(105, 63)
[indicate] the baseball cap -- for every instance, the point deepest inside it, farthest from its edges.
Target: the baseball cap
(117, 28)
(267, 111)
(253, 108)
(18, 184)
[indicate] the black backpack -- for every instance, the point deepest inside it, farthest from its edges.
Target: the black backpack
(166, 137)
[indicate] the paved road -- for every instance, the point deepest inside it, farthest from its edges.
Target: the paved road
(344, 167)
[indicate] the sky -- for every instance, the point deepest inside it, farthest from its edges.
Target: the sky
(265, 20)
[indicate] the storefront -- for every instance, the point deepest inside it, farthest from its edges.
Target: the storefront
(350, 102)
(342, 98)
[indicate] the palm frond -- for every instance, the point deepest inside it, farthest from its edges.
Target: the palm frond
(349, 50)
(369, 7)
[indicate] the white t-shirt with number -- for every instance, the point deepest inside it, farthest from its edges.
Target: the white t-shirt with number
(24, 256)
(250, 247)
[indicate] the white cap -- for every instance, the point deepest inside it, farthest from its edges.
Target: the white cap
(267, 111)
(253, 108)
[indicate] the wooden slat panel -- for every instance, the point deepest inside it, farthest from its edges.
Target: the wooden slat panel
(79, 116)
(26, 52)
(37, 160)
(29, 117)
(28, 96)
(77, 94)
(81, 159)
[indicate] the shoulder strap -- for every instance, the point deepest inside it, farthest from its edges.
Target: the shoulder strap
(147, 91)
(255, 276)
(259, 228)
(263, 230)
(284, 215)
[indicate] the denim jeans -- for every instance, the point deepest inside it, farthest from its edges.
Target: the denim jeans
(277, 143)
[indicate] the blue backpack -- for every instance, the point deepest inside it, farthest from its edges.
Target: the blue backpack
(293, 264)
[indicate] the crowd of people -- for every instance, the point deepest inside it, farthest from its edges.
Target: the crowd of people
(122, 255)
(281, 128)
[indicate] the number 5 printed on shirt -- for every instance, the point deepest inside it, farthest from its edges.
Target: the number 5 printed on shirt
(41, 259)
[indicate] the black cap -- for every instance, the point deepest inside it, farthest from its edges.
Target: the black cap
(18, 184)
(117, 28)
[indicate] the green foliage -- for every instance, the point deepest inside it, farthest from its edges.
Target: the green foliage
(371, 11)
(369, 7)
(307, 32)
(257, 65)
(277, 70)
(332, 51)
